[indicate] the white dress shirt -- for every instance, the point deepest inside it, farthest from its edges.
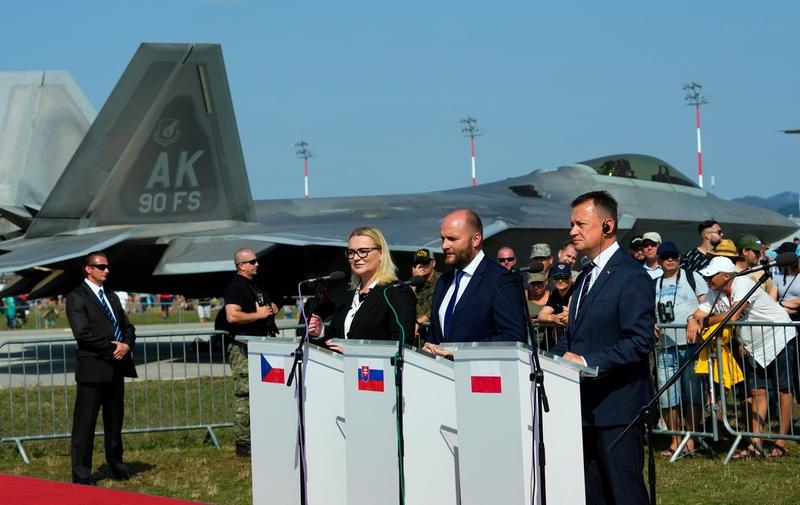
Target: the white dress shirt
(469, 271)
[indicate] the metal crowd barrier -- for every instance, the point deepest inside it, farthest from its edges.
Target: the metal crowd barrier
(184, 383)
(727, 403)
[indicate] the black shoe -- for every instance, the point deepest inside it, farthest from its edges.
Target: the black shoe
(85, 482)
(243, 450)
(121, 474)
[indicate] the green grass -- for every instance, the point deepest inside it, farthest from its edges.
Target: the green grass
(148, 404)
(180, 465)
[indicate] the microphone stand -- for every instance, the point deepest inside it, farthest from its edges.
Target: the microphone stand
(398, 361)
(297, 368)
(542, 404)
(647, 411)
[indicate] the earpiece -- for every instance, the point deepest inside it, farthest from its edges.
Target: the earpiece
(606, 228)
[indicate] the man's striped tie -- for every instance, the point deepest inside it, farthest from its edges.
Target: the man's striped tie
(117, 332)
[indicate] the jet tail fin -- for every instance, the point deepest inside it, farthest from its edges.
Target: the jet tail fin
(164, 148)
(43, 117)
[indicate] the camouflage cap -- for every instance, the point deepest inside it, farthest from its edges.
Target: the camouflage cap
(540, 250)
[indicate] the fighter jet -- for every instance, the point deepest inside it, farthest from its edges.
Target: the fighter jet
(159, 182)
(45, 116)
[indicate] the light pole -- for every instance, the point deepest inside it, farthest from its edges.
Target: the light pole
(471, 131)
(694, 96)
(304, 153)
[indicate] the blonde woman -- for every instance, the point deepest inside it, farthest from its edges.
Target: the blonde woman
(362, 311)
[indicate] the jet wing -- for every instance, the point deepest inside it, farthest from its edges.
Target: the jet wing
(29, 253)
(204, 254)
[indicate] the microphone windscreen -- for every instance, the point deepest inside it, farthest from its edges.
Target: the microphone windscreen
(337, 275)
(786, 259)
(416, 281)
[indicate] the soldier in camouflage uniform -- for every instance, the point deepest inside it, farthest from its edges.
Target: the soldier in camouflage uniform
(248, 311)
(425, 267)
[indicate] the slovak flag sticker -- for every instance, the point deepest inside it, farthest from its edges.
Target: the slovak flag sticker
(370, 376)
(269, 373)
(485, 378)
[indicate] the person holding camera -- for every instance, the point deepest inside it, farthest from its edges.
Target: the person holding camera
(678, 294)
(247, 311)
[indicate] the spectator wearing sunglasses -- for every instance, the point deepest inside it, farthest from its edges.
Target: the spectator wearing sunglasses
(247, 311)
(636, 250)
(367, 310)
(678, 294)
(506, 257)
(650, 243)
(698, 257)
(425, 267)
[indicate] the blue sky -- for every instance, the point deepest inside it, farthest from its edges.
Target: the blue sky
(377, 88)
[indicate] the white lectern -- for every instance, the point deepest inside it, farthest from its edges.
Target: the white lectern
(431, 437)
(274, 423)
(495, 407)
(369, 406)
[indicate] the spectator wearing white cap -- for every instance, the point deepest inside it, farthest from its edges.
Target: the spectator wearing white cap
(650, 242)
(771, 348)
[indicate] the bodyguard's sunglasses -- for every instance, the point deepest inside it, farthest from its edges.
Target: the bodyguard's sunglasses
(506, 260)
(100, 266)
(253, 262)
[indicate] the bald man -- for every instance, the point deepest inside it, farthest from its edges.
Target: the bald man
(478, 300)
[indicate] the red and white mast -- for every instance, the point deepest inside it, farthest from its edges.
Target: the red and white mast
(471, 131)
(304, 153)
(694, 96)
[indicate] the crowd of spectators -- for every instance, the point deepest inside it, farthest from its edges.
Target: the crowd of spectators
(695, 290)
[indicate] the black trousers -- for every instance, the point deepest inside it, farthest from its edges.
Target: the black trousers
(614, 477)
(90, 398)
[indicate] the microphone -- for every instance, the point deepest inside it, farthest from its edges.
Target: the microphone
(533, 267)
(783, 260)
(332, 277)
(415, 281)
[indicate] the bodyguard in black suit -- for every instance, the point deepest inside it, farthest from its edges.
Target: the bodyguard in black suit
(105, 340)
(611, 320)
(478, 300)
(363, 312)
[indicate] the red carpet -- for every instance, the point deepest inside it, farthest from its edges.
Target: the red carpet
(28, 491)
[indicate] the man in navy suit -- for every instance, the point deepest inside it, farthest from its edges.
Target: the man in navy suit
(478, 300)
(105, 339)
(611, 320)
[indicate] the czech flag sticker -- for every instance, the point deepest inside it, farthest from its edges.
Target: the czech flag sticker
(269, 373)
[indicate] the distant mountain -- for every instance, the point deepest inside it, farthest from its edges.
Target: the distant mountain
(783, 203)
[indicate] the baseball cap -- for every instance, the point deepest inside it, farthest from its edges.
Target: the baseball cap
(667, 248)
(726, 248)
(717, 265)
(423, 256)
(537, 277)
(540, 250)
(635, 242)
(560, 270)
(749, 241)
(652, 236)
(786, 247)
